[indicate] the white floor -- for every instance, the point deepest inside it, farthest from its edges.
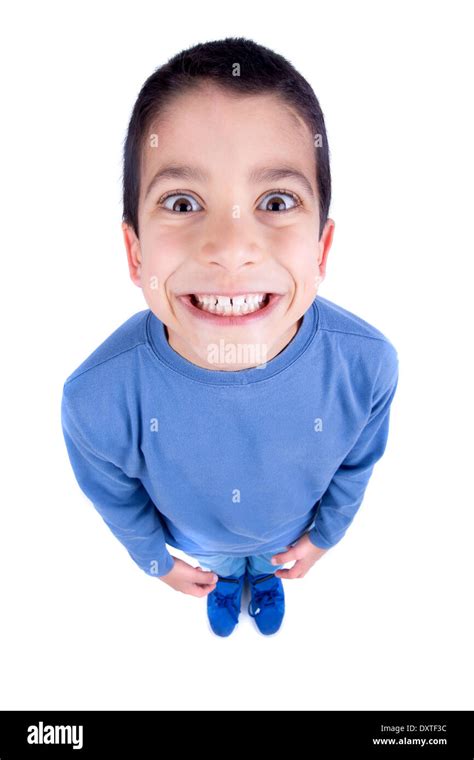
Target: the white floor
(380, 622)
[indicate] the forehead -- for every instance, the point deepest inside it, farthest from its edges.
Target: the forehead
(228, 133)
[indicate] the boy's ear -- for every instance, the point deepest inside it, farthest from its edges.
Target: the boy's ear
(134, 256)
(324, 246)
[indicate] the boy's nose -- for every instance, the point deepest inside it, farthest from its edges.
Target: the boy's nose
(231, 244)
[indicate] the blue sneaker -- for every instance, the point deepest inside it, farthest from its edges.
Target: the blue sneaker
(223, 604)
(267, 603)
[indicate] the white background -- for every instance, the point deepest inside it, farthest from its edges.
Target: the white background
(385, 619)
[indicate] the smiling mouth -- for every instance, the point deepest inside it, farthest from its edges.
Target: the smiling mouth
(231, 306)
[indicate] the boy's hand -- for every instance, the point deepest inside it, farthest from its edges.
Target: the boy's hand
(305, 553)
(188, 579)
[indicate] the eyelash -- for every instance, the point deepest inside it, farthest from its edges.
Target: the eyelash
(269, 194)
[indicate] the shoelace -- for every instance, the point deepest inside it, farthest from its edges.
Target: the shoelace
(229, 601)
(264, 599)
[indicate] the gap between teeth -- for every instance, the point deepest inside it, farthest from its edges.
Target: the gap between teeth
(231, 305)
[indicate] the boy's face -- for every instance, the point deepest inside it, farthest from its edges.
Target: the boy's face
(226, 232)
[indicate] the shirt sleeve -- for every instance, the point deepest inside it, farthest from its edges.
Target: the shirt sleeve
(343, 497)
(122, 502)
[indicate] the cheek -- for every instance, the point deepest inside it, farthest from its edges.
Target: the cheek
(297, 253)
(162, 257)
(296, 241)
(152, 274)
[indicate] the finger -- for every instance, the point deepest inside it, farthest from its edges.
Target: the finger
(280, 559)
(197, 590)
(205, 590)
(206, 585)
(203, 576)
(293, 572)
(203, 584)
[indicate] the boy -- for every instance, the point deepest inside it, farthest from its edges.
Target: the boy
(238, 418)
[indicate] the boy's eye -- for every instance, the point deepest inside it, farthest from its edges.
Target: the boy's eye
(181, 205)
(180, 202)
(278, 202)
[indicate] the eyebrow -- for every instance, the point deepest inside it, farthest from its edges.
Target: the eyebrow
(258, 174)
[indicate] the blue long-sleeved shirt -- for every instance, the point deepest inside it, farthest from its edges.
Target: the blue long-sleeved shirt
(241, 462)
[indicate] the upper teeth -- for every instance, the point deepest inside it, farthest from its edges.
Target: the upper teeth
(242, 304)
